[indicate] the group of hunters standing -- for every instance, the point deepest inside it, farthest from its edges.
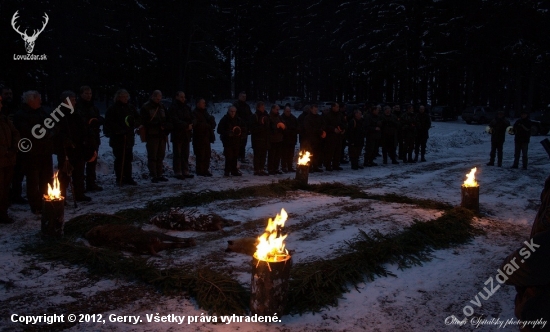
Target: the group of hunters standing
(75, 139)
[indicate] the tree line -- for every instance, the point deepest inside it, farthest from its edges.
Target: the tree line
(446, 52)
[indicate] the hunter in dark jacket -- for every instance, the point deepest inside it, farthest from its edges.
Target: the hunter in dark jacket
(528, 269)
(289, 140)
(314, 134)
(37, 162)
(498, 135)
(121, 120)
(244, 113)
(203, 135)
(277, 128)
(522, 130)
(424, 123)
(335, 128)
(93, 121)
(260, 131)
(356, 138)
(74, 146)
(9, 138)
(230, 129)
(154, 119)
(373, 132)
(389, 128)
(408, 128)
(179, 115)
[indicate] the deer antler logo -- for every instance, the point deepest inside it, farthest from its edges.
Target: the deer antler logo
(29, 40)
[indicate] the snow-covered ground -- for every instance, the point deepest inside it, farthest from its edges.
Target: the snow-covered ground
(418, 299)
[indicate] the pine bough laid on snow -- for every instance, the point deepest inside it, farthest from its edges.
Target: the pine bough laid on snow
(314, 285)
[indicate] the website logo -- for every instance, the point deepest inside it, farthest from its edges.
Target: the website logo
(29, 40)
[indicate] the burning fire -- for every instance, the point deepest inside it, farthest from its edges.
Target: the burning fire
(271, 247)
(303, 157)
(54, 193)
(471, 179)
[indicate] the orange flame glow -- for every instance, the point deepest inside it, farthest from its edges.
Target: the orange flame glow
(271, 246)
(303, 157)
(471, 179)
(54, 193)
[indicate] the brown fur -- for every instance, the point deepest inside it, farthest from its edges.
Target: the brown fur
(126, 237)
(245, 245)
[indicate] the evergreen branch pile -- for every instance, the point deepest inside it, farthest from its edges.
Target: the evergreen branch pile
(319, 284)
(214, 291)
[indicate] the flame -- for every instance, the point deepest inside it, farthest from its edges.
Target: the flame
(303, 157)
(471, 179)
(54, 193)
(271, 246)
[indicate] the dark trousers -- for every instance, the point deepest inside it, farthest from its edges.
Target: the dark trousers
(91, 176)
(77, 177)
(287, 156)
(274, 156)
(39, 172)
(231, 153)
(202, 155)
(317, 155)
(388, 148)
(123, 170)
(242, 148)
(420, 146)
(156, 149)
(6, 175)
(496, 147)
(523, 149)
(408, 147)
(181, 157)
(371, 149)
(402, 151)
(343, 149)
(333, 150)
(354, 151)
(17, 179)
(259, 159)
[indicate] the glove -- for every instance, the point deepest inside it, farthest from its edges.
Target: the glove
(93, 121)
(130, 121)
(94, 157)
(281, 125)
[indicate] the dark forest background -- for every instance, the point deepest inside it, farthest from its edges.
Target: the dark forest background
(448, 52)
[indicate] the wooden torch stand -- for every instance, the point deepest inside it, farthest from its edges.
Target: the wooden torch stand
(470, 198)
(53, 215)
(269, 287)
